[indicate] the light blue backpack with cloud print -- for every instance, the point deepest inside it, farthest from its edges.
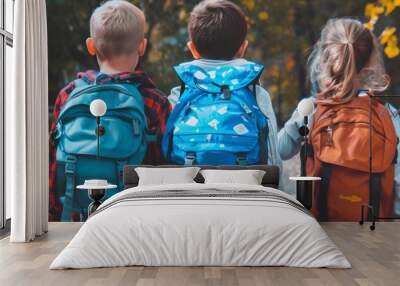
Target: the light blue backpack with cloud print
(216, 120)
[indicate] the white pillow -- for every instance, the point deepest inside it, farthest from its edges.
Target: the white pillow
(166, 176)
(248, 177)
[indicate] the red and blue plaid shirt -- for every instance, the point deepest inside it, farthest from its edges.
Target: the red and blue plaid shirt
(157, 109)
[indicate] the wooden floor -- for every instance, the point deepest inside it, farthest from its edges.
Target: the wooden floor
(375, 257)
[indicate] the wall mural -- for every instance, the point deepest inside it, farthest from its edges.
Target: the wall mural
(226, 83)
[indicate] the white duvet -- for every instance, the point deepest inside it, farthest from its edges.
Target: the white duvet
(188, 231)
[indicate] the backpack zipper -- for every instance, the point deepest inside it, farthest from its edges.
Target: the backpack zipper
(330, 128)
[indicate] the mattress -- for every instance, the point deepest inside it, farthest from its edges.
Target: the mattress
(201, 225)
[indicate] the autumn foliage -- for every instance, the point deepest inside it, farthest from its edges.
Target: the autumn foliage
(388, 38)
(281, 35)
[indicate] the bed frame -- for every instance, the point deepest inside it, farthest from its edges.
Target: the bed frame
(271, 177)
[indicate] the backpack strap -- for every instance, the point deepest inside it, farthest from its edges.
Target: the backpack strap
(303, 160)
(70, 169)
(326, 171)
(254, 84)
(183, 87)
(57, 132)
(241, 159)
(263, 137)
(120, 174)
(375, 193)
(151, 136)
(264, 132)
(190, 158)
(167, 138)
(81, 82)
(167, 141)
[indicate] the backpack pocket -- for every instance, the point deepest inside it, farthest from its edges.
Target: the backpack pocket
(217, 134)
(123, 137)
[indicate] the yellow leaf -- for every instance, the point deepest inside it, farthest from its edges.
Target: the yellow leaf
(392, 52)
(273, 89)
(263, 15)
(274, 71)
(392, 49)
(373, 10)
(249, 21)
(396, 3)
(290, 63)
(371, 23)
(386, 34)
(249, 4)
(389, 6)
(369, 26)
(392, 41)
(251, 38)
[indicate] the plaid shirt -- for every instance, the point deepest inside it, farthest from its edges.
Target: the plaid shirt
(157, 109)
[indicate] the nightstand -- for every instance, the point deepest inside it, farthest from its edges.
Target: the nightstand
(96, 191)
(305, 187)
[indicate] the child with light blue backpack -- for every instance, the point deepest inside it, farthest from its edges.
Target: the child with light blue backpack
(221, 115)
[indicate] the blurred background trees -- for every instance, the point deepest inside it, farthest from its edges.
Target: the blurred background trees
(388, 38)
(281, 35)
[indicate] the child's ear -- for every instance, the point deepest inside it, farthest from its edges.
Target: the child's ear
(196, 55)
(242, 50)
(91, 47)
(142, 47)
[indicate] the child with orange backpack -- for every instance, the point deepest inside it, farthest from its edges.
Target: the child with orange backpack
(347, 69)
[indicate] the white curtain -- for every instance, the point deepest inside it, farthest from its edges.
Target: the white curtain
(27, 124)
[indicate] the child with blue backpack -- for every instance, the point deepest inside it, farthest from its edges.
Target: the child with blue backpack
(133, 124)
(221, 114)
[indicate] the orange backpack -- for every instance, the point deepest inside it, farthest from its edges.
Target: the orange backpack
(340, 139)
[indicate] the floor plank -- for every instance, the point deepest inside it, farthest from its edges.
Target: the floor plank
(375, 257)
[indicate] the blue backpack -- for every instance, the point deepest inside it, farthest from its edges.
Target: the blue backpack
(124, 142)
(216, 120)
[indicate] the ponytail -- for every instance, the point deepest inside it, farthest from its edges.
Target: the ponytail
(338, 63)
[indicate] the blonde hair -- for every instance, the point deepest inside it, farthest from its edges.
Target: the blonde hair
(345, 59)
(117, 28)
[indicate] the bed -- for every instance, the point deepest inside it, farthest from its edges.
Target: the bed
(197, 224)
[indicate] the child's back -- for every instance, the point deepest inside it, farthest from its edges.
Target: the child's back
(136, 111)
(352, 135)
(231, 118)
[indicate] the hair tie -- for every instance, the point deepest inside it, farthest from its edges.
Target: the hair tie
(347, 42)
